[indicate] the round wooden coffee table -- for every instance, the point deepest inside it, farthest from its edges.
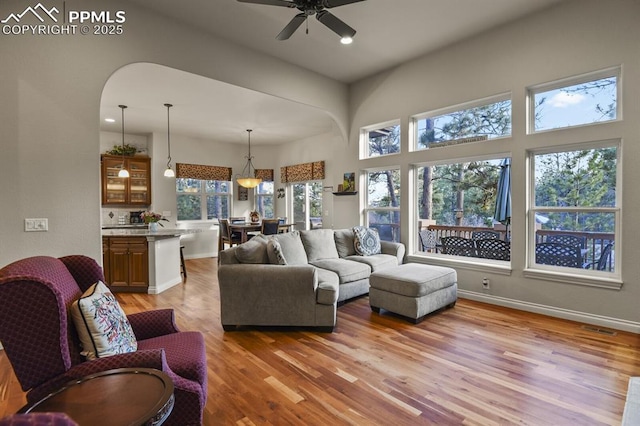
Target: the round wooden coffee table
(125, 396)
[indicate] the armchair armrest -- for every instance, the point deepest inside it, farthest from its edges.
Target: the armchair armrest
(152, 358)
(154, 323)
(394, 249)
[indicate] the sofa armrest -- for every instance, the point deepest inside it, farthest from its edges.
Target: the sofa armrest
(154, 323)
(394, 249)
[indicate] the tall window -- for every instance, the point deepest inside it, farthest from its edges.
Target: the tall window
(306, 204)
(383, 139)
(575, 210)
(592, 98)
(264, 199)
(469, 200)
(383, 202)
(203, 199)
(475, 121)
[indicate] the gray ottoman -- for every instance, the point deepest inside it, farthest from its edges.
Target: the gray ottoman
(413, 290)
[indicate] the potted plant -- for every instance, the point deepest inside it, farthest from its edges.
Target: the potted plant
(153, 220)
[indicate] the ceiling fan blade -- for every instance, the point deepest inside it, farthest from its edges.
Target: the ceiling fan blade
(282, 3)
(335, 24)
(335, 3)
(292, 26)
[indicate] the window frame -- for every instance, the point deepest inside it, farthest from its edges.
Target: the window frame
(203, 194)
(588, 277)
(572, 81)
(366, 201)
(414, 119)
(364, 138)
(257, 195)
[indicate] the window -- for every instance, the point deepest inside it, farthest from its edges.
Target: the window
(203, 199)
(264, 199)
(575, 212)
(469, 201)
(380, 140)
(477, 121)
(581, 100)
(306, 204)
(383, 203)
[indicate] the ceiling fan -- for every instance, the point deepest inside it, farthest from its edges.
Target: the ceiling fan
(308, 8)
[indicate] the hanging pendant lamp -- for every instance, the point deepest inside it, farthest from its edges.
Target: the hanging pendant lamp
(123, 173)
(247, 179)
(169, 171)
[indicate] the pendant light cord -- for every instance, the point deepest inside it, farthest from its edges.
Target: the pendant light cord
(168, 137)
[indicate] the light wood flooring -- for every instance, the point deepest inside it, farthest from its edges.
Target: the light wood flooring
(475, 364)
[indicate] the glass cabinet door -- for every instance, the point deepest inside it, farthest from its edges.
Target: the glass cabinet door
(139, 189)
(134, 190)
(114, 190)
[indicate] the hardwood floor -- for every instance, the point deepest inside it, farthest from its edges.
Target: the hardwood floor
(475, 364)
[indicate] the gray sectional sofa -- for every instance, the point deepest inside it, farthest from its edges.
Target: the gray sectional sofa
(296, 278)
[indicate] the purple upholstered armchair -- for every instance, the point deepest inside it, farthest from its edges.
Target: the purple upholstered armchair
(42, 344)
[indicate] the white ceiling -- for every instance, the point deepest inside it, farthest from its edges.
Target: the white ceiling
(389, 32)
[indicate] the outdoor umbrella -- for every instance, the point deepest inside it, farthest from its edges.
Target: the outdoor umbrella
(502, 211)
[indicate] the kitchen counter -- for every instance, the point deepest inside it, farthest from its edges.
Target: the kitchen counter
(163, 252)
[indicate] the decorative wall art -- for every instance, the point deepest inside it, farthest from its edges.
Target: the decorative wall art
(349, 182)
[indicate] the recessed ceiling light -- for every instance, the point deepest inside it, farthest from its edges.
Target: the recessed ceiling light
(346, 40)
(109, 120)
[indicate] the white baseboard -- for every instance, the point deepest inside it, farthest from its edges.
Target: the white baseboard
(584, 317)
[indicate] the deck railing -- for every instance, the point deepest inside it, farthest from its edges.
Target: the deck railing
(594, 242)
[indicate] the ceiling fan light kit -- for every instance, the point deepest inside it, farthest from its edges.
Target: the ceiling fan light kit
(309, 8)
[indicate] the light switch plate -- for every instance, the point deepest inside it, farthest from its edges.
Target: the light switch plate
(36, 225)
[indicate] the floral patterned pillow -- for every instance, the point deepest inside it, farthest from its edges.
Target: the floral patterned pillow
(366, 241)
(102, 325)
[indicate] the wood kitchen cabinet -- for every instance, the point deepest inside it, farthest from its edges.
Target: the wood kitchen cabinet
(126, 263)
(132, 191)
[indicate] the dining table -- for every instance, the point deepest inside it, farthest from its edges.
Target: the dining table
(244, 228)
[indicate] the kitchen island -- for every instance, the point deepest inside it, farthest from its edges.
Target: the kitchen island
(136, 259)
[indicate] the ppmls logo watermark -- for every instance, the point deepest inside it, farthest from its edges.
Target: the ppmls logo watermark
(40, 20)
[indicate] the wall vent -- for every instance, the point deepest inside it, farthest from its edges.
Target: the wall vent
(599, 330)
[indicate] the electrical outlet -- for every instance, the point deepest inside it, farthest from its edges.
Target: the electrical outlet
(485, 283)
(36, 225)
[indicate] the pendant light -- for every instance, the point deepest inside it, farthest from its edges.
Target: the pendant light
(169, 171)
(248, 179)
(123, 173)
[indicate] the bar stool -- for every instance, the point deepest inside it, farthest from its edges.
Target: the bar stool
(183, 267)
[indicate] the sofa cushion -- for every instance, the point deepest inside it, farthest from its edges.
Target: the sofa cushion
(319, 244)
(253, 251)
(102, 325)
(377, 262)
(286, 249)
(347, 270)
(366, 241)
(328, 283)
(344, 239)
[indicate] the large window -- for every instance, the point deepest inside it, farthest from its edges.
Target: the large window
(475, 121)
(203, 199)
(575, 210)
(469, 201)
(383, 139)
(306, 204)
(577, 101)
(264, 199)
(383, 203)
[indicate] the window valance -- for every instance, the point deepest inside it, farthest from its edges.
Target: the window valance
(265, 174)
(198, 171)
(302, 172)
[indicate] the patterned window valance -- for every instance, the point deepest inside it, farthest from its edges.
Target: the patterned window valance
(197, 171)
(265, 174)
(302, 172)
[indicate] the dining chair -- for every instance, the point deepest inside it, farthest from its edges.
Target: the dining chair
(458, 246)
(558, 255)
(270, 226)
(603, 260)
(568, 240)
(226, 236)
(483, 235)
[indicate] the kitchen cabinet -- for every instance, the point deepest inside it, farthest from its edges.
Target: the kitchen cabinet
(126, 263)
(132, 191)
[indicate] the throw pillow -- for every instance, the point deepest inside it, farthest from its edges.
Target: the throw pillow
(366, 241)
(290, 250)
(102, 325)
(319, 244)
(344, 242)
(253, 251)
